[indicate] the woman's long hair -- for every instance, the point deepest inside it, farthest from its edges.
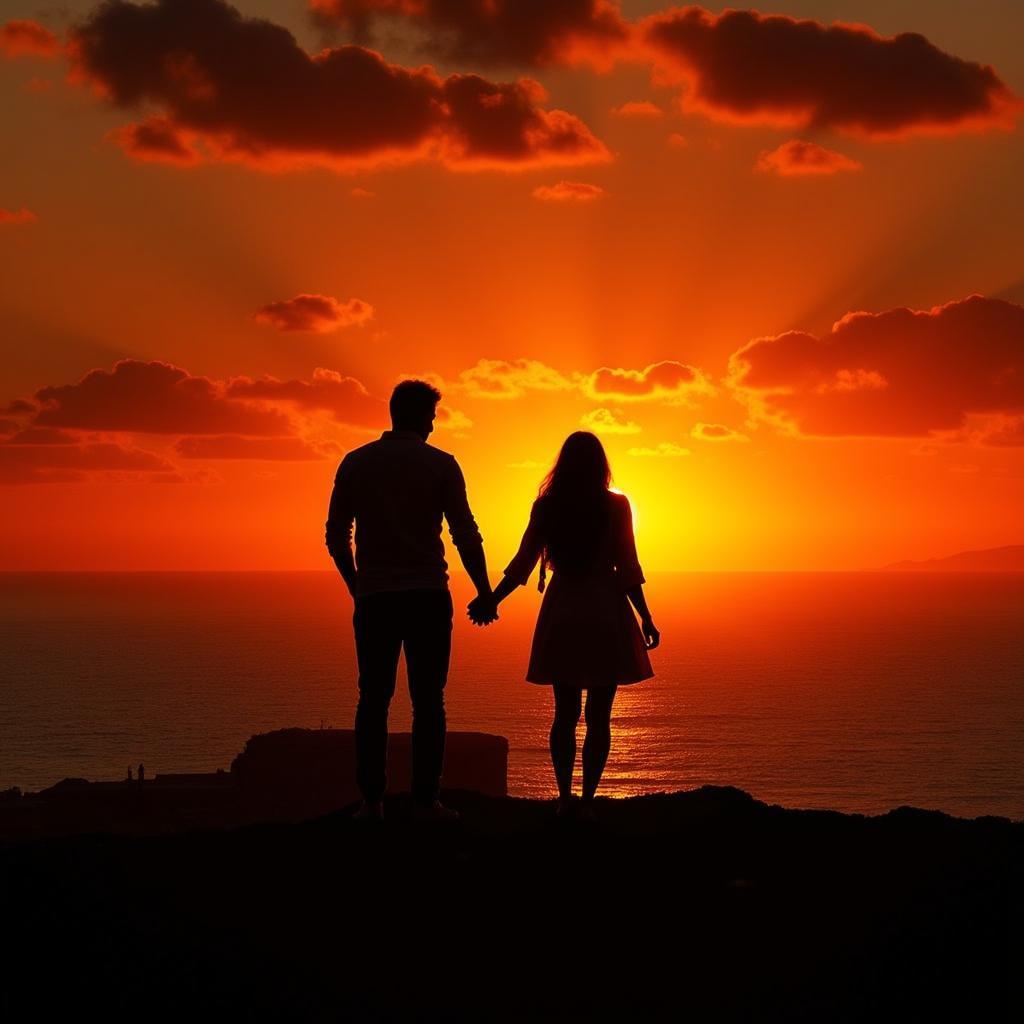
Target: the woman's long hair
(573, 503)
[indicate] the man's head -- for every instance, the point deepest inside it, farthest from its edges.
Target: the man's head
(413, 405)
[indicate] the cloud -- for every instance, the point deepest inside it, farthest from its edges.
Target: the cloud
(568, 191)
(716, 432)
(157, 140)
(1000, 431)
(605, 421)
(500, 378)
(452, 419)
(531, 464)
(155, 398)
(638, 108)
(901, 373)
(230, 446)
(361, 193)
(319, 313)
(22, 216)
(530, 33)
(343, 398)
(665, 450)
(670, 382)
(665, 381)
(27, 39)
(231, 88)
(19, 407)
(44, 435)
(743, 66)
(798, 158)
(71, 463)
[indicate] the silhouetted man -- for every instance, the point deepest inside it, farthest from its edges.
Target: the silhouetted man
(396, 490)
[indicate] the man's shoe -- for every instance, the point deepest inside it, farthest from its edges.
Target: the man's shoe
(434, 812)
(369, 810)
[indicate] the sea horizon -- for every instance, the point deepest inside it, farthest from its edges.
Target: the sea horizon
(852, 691)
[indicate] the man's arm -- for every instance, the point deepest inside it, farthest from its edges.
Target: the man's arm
(465, 534)
(484, 609)
(340, 516)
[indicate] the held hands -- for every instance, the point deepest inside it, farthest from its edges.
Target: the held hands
(482, 610)
(651, 635)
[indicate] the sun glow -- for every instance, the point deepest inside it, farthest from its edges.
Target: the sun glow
(688, 256)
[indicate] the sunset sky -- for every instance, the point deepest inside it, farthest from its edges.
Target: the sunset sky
(774, 258)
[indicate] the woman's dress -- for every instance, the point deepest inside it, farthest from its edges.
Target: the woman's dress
(587, 634)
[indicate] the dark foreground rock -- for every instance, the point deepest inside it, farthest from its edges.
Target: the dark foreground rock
(700, 906)
(284, 775)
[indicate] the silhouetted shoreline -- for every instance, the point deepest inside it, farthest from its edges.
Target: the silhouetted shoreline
(719, 907)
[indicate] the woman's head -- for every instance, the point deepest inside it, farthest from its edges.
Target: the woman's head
(573, 505)
(581, 468)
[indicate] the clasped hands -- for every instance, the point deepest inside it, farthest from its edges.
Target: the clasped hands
(483, 609)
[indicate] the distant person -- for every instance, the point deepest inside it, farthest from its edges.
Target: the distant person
(587, 637)
(129, 779)
(142, 773)
(396, 491)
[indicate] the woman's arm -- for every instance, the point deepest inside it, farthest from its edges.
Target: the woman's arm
(483, 609)
(504, 588)
(628, 567)
(652, 636)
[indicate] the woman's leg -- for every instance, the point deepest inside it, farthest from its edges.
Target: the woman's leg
(599, 737)
(568, 705)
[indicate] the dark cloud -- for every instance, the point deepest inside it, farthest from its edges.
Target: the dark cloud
(157, 140)
(318, 313)
(69, 463)
(530, 33)
(269, 449)
(235, 88)
(773, 69)
(343, 398)
(797, 158)
(19, 407)
(902, 373)
(153, 398)
(44, 435)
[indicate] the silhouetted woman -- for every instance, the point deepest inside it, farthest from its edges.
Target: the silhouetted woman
(587, 636)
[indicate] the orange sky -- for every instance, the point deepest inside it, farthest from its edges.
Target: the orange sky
(451, 250)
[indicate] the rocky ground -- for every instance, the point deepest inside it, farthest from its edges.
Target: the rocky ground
(703, 906)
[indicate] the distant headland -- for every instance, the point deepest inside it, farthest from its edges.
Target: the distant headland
(1005, 559)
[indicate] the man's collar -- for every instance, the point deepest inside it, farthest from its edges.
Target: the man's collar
(401, 435)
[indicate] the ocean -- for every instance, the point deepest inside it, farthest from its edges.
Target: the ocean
(858, 692)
